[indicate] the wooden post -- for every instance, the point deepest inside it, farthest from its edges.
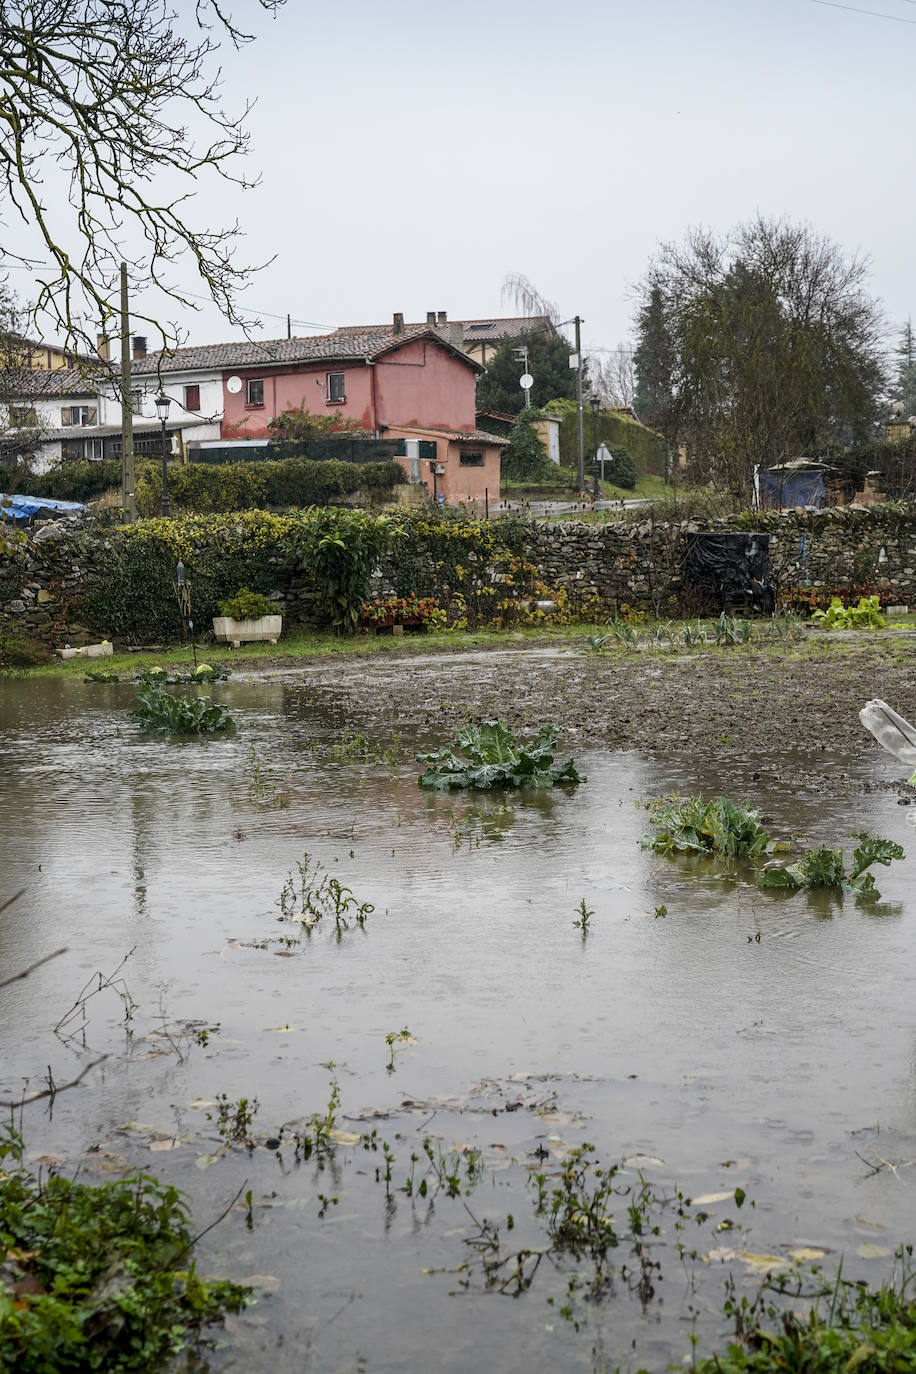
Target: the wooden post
(128, 467)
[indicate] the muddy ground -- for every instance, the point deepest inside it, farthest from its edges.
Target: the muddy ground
(734, 702)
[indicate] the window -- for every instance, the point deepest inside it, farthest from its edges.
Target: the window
(78, 415)
(192, 398)
(337, 390)
(471, 458)
(255, 391)
(136, 401)
(93, 450)
(22, 417)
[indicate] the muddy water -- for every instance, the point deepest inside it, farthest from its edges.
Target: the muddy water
(713, 1036)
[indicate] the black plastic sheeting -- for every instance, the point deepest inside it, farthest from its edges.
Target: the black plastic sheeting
(730, 569)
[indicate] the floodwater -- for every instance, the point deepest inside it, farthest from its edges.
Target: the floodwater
(713, 1036)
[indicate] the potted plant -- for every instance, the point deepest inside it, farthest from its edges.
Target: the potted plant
(247, 616)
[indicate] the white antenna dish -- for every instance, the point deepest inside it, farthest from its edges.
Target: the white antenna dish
(526, 381)
(234, 385)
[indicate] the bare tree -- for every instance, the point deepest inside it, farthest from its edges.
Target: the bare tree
(612, 375)
(96, 153)
(526, 298)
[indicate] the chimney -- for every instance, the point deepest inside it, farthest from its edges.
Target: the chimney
(398, 325)
(103, 347)
(430, 319)
(139, 342)
(443, 319)
(456, 334)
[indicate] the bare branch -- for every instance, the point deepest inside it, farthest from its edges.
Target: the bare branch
(32, 967)
(55, 1088)
(101, 95)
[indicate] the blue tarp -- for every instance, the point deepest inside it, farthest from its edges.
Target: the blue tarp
(21, 509)
(788, 489)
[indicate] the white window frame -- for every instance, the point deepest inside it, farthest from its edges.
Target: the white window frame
(331, 382)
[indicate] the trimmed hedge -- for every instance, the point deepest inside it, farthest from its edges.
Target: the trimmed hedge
(204, 488)
(82, 481)
(645, 447)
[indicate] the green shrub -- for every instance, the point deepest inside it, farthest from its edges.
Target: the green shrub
(69, 481)
(205, 488)
(107, 1270)
(622, 471)
(247, 605)
(20, 650)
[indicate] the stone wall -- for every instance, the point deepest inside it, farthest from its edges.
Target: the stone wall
(638, 563)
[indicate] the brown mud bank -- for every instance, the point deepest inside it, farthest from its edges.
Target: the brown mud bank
(738, 702)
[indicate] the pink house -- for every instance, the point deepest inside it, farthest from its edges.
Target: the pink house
(398, 383)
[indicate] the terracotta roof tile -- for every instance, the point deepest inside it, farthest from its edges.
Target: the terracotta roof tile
(252, 353)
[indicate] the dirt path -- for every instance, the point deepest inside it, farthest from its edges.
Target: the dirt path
(736, 701)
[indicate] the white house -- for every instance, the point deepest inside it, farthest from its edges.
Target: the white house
(75, 413)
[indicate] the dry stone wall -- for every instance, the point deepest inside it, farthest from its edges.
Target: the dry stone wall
(633, 563)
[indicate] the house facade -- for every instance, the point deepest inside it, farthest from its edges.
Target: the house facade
(397, 382)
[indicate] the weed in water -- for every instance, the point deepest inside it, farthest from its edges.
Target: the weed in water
(585, 917)
(312, 893)
(234, 1119)
(660, 911)
(263, 790)
(355, 746)
(396, 1040)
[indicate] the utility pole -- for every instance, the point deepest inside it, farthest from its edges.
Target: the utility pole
(128, 472)
(578, 323)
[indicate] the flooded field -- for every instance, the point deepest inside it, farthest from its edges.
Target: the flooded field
(706, 1036)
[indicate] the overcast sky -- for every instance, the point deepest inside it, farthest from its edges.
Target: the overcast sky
(413, 154)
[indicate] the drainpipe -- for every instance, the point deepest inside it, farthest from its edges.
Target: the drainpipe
(373, 403)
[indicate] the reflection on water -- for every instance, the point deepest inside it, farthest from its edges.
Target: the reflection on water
(737, 1038)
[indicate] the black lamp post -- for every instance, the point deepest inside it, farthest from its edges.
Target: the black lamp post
(162, 410)
(595, 403)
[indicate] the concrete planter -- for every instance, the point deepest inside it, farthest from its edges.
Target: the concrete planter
(236, 632)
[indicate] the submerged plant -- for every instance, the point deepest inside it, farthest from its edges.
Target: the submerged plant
(101, 675)
(826, 868)
(162, 712)
(355, 746)
(585, 917)
(491, 756)
(690, 825)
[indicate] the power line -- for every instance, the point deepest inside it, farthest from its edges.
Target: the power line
(874, 14)
(271, 314)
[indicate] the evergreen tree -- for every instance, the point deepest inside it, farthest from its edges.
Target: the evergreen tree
(526, 460)
(653, 362)
(905, 388)
(548, 363)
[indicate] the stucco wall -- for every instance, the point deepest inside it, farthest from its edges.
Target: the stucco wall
(418, 384)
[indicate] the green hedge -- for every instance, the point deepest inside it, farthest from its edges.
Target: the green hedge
(82, 481)
(618, 432)
(205, 488)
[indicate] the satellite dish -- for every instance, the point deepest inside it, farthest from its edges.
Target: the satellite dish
(526, 381)
(234, 385)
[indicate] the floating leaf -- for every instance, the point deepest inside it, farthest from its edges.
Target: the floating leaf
(709, 1198)
(869, 1250)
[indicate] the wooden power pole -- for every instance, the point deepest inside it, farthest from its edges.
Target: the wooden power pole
(128, 469)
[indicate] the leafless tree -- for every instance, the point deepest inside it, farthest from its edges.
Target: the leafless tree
(612, 376)
(111, 118)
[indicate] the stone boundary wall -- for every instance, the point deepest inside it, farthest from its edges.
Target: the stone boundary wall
(635, 563)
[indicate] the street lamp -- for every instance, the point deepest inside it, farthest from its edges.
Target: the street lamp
(595, 403)
(162, 410)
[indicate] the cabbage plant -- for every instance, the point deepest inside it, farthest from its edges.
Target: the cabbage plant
(491, 756)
